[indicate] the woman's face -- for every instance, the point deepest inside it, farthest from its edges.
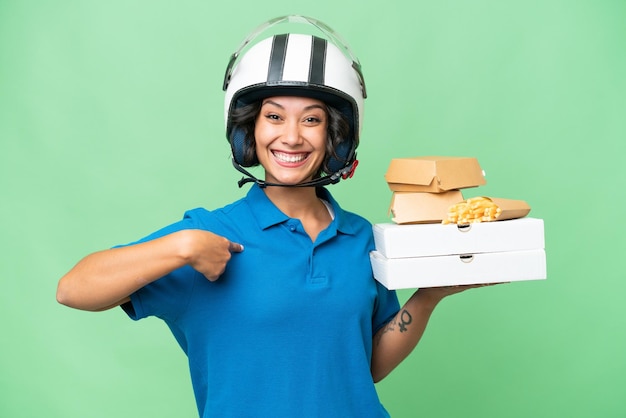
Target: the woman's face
(290, 134)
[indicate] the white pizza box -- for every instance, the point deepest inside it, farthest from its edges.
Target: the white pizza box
(422, 240)
(450, 270)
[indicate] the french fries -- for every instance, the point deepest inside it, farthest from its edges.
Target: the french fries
(474, 209)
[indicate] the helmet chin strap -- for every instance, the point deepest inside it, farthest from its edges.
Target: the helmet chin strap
(344, 173)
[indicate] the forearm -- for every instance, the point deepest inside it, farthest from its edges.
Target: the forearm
(107, 278)
(394, 342)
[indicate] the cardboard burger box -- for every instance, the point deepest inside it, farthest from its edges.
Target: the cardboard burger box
(430, 255)
(434, 174)
(409, 207)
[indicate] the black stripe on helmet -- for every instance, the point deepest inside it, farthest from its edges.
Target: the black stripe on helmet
(277, 58)
(318, 61)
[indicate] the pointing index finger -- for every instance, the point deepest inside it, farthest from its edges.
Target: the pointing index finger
(234, 247)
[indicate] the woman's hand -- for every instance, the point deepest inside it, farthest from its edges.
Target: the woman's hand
(436, 294)
(209, 253)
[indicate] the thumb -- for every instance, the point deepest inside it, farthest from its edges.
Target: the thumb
(233, 247)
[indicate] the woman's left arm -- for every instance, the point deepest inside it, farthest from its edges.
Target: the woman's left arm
(395, 341)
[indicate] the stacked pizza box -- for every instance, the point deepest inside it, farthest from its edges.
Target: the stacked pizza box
(424, 246)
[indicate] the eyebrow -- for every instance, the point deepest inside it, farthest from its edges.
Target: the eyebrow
(313, 106)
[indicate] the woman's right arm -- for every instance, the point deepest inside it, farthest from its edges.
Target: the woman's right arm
(106, 279)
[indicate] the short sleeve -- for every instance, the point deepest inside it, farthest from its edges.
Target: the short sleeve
(167, 296)
(387, 306)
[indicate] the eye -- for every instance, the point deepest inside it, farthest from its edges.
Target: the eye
(313, 120)
(272, 116)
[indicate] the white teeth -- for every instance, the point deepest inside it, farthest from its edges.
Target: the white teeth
(289, 158)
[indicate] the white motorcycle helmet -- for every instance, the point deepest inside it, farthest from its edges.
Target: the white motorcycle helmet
(272, 62)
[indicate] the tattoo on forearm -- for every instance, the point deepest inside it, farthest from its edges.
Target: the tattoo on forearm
(401, 321)
(405, 319)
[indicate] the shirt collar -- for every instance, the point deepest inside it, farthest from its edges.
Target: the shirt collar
(267, 214)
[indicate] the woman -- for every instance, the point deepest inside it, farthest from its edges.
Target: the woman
(272, 297)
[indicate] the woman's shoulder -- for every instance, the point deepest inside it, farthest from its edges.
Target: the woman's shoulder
(353, 223)
(356, 218)
(201, 215)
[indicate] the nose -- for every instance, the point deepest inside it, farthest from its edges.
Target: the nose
(292, 135)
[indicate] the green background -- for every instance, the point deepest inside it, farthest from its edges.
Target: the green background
(111, 125)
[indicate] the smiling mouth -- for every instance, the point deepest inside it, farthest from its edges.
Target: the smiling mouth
(290, 158)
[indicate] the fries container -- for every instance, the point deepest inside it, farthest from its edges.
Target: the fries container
(431, 255)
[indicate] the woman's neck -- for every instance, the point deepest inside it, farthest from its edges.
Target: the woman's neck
(293, 201)
(301, 203)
